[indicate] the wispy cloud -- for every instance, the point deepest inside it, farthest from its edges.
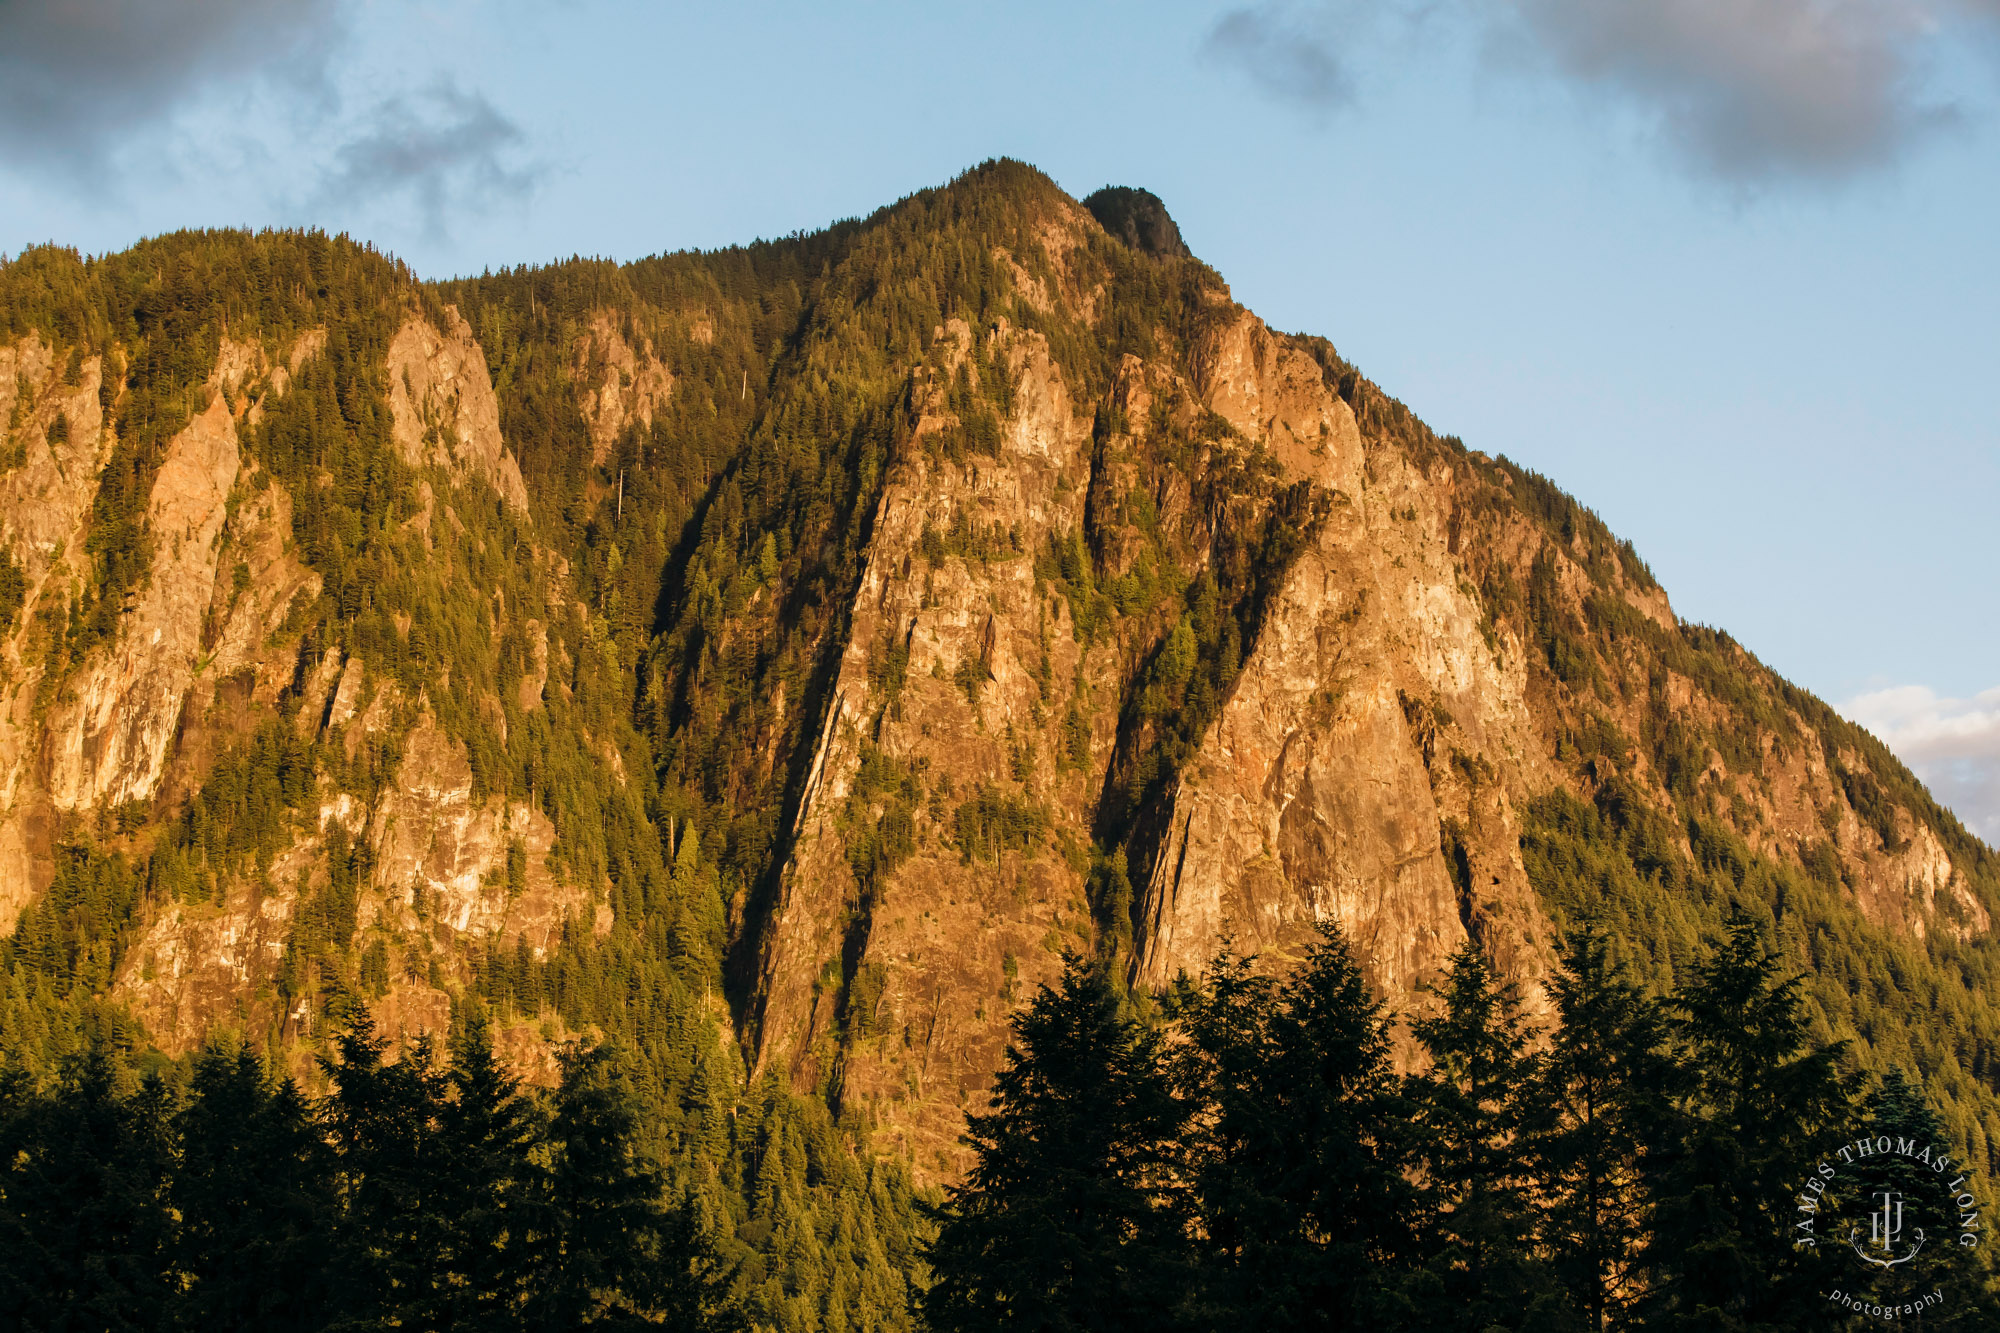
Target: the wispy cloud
(1750, 91)
(1287, 50)
(1744, 91)
(1952, 744)
(77, 77)
(443, 150)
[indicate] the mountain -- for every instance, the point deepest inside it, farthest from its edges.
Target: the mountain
(774, 658)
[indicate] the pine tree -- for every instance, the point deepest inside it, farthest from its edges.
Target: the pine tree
(479, 1188)
(1299, 1166)
(382, 1118)
(84, 1227)
(257, 1243)
(612, 1252)
(1601, 1107)
(1479, 1268)
(1761, 1095)
(1069, 1217)
(1920, 1193)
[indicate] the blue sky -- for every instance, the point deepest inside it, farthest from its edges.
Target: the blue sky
(1726, 272)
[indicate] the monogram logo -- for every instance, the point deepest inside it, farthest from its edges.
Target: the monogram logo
(1885, 1227)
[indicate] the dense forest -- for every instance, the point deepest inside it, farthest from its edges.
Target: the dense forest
(643, 658)
(1258, 1163)
(1252, 1161)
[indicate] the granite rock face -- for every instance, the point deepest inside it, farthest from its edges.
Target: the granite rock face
(445, 411)
(200, 653)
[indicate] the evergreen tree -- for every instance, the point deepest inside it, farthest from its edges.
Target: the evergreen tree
(613, 1253)
(382, 1117)
(479, 1185)
(84, 1227)
(1760, 1097)
(1601, 1108)
(1299, 1167)
(1479, 1269)
(257, 1243)
(1069, 1217)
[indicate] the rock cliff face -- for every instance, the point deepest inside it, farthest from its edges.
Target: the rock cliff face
(954, 669)
(1130, 627)
(622, 385)
(1315, 795)
(201, 651)
(45, 499)
(445, 411)
(108, 741)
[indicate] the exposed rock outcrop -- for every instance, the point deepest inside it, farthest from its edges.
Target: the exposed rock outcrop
(954, 669)
(445, 413)
(621, 384)
(108, 739)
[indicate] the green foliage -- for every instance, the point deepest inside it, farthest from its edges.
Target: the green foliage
(1259, 1164)
(993, 821)
(1473, 1115)
(1760, 1098)
(413, 1197)
(257, 1242)
(85, 1232)
(1067, 1219)
(58, 964)
(13, 590)
(881, 817)
(1301, 1170)
(1657, 890)
(1598, 1115)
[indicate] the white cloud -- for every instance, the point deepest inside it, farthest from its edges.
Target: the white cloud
(1952, 744)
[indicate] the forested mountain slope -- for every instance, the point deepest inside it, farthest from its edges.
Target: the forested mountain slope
(772, 659)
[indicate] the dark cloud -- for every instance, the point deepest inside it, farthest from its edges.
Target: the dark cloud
(445, 149)
(1744, 90)
(1287, 54)
(78, 76)
(1752, 91)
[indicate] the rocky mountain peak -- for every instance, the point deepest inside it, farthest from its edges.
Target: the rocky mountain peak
(1139, 219)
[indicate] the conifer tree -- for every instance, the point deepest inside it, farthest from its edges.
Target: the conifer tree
(1601, 1107)
(1069, 1217)
(257, 1244)
(382, 1118)
(480, 1186)
(1479, 1269)
(1299, 1165)
(614, 1253)
(84, 1227)
(1919, 1193)
(1761, 1095)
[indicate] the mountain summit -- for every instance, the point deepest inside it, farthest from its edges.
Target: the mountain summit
(774, 659)
(1138, 218)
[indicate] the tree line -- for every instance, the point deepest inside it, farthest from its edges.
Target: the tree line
(1257, 1163)
(431, 1191)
